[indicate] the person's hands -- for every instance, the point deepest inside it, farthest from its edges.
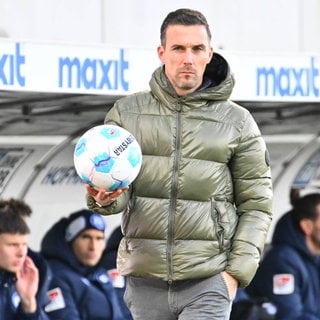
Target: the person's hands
(102, 197)
(231, 283)
(27, 285)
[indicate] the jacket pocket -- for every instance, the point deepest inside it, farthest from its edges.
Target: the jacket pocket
(218, 228)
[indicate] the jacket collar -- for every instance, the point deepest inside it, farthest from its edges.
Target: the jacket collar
(7, 277)
(217, 85)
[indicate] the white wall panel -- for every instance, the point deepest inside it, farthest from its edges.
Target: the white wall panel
(246, 25)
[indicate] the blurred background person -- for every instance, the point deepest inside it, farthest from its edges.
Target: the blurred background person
(250, 309)
(81, 288)
(25, 211)
(289, 274)
(109, 261)
(22, 287)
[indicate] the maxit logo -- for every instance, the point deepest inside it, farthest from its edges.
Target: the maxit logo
(90, 73)
(11, 67)
(289, 81)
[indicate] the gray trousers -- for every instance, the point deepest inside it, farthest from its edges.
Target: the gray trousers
(201, 299)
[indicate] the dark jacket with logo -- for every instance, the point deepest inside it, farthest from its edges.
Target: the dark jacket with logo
(76, 291)
(10, 308)
(297, 271)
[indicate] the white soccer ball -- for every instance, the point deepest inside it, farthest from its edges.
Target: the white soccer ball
(107, 156)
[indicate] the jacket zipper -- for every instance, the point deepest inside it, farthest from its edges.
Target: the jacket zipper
(173, 199)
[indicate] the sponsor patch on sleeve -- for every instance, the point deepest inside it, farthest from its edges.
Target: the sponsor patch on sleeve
(56, 300)
(116, 278)
(283, 283)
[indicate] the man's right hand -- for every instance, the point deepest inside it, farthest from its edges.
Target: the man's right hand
(102, 197)
(27, 285)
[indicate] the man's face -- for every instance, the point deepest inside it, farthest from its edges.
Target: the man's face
(185, 55)
(88, 247)
(13, 251)
(315, 232)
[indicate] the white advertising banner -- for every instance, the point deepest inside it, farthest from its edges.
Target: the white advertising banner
(74, 69)
(290, 77)
(100, 69)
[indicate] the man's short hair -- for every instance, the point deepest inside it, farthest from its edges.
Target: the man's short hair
(185, 17)
(305, 208)
(12, 214)
(16, 205)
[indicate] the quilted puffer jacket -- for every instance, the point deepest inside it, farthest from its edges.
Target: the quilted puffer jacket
(202, 201)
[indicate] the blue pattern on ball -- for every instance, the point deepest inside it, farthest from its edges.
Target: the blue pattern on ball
(134, 157)
(110, 133)
(81, 147)
(103, 162)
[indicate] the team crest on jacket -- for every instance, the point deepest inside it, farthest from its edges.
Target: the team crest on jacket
(117, 280)
(56, 300)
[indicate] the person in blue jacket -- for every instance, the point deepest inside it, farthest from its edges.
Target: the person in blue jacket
(289, 274)
(80, 288)
(109, 262)
(24, 274)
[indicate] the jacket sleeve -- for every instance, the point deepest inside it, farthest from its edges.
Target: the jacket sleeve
(251, 176)
(38, 315)
(115, 207)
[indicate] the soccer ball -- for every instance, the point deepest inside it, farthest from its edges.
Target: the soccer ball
(107, 156)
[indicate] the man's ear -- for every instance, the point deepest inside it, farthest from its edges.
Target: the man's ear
(306, 226)
(160, 51)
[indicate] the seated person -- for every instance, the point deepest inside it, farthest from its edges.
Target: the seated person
(23, 287)
(80, 288)
(289, 273)
(245, 307)
(25, 211)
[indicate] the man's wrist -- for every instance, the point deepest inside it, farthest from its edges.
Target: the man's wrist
(103, 210)
(105, 205)
(29, 306)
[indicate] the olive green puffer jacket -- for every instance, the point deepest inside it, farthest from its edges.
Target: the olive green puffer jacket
(202, 201)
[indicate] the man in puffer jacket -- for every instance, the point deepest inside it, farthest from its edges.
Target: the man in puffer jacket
(197, 215)
(80, 288)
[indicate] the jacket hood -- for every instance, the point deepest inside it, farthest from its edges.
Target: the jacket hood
(114, 239)
(287, 233)
(217, 70)
(54, 246)
(218, 83)
(109, 257)
(45, 274)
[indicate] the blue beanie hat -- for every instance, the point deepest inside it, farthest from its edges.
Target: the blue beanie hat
(83, 220)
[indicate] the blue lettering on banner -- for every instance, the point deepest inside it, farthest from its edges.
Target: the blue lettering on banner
(61, 175)
(10, 68)
(288, 82)
(93, 73)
